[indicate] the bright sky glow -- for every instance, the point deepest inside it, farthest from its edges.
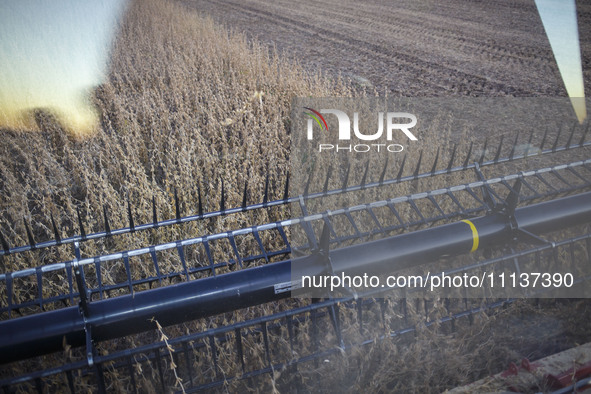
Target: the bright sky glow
(52, 54)
(560, 22)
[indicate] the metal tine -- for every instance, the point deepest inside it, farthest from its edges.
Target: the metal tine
(404, 306)
(453, 156)
(530, 187)
(498, 154)
(435, 162)
(200, 207)
(555, 145)
(494, 194)
(160, 370)
(324, 244)
(513, 197)
(437, 206)
(177, 206)
(130, 215)
(131, 373)
(572, 253)
(328, 173)
(336, 322)
(356, 230)
(544, 139)
(466, 305)
(286, 191)
(364, 178)
(531, 138)
(403, 223)
(513, 147)
(266, 195)
(483, 151)
(181, 253)
(5, 245)
(154, 212)
(383, 174)
(570, 137)
(188, 362)
(582, 141)
(289, 321)
(573, 171)
(238, 260)
(314, 318)
(209, 257)
(346, 180)
(80, 224)
(358, 303)
(560, 177)
(214, 355)
(401, 168)
(546, 183)
(307, 187)
(106, 219)
(155, 263)
(266, 343)
(240, 354)
(100, 378)
(56, 233)
(9, 296)
(486, 191)
(455, 201)
(382, 303)
(70, 378)
(465, 165)
(128, 271)
(538, 259)
(223, 198)
(453, 319)
(29, 234)
(244, 195)
(416, 173)
(475, 196)
(40, 291)
(413, 205)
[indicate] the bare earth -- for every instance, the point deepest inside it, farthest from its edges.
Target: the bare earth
(410, 47)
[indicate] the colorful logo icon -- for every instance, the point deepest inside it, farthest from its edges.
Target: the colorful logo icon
(317, 117)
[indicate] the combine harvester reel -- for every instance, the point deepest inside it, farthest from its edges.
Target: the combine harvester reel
(248, 328)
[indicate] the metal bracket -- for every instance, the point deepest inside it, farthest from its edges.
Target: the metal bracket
(323, 249)
(508, 209)
(525, 236)
(323, 253)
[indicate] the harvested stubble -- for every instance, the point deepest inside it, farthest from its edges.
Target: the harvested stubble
(187, 102)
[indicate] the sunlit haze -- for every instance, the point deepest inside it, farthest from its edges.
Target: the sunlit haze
(52, 54)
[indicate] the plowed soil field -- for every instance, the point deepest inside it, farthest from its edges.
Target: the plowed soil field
(410, 47)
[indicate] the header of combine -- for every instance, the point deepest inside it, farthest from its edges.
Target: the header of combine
(484, 213)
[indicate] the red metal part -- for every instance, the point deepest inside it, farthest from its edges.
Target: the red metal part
(512, 370)
(527, 365)
(569, 377)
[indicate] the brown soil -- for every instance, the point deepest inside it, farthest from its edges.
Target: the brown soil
(411, 48)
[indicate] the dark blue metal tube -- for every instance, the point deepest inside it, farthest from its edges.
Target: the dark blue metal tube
(117, 317)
